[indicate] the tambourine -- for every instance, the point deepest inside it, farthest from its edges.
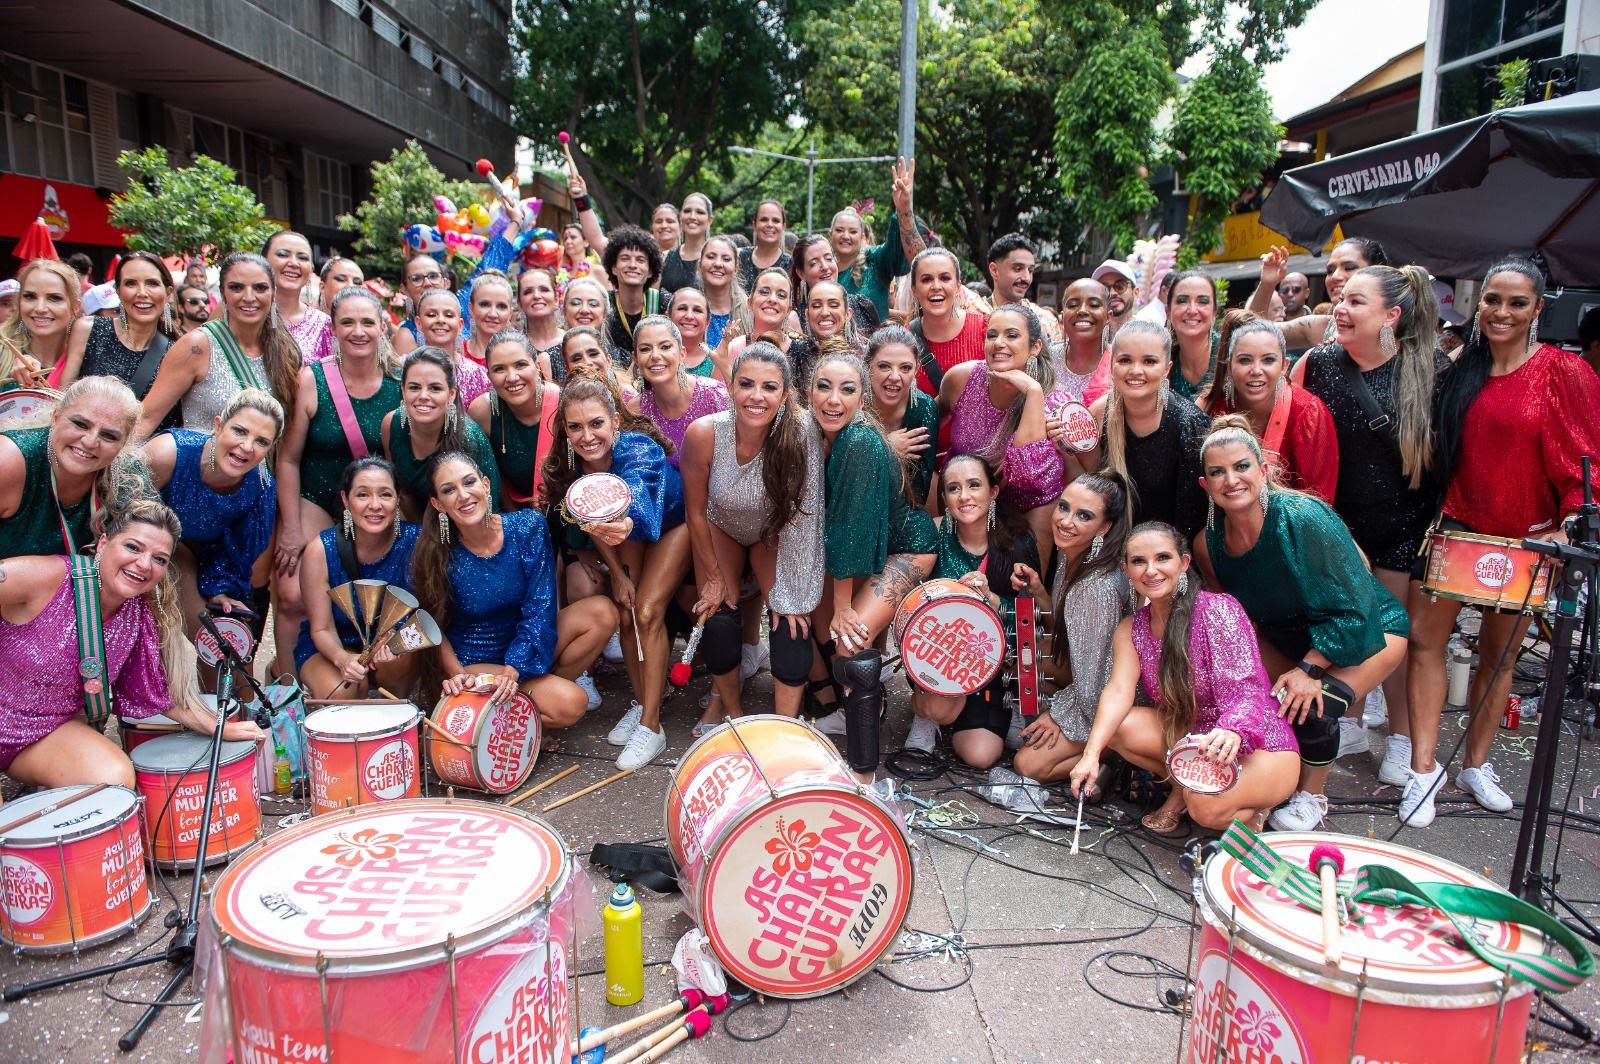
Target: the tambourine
(234, 630)
(596, 498)
(1082, 434)
(1193, 770)
(23, 404)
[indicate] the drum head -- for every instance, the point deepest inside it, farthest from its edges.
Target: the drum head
(508, 743)
(359, 720)
(184, 753)
(598, 497)
(952, 645)
(23, 404)
(1197, 772)
(387, 882)
(1406, 950)
(234, 630)
(1082, 434)
(74, 819)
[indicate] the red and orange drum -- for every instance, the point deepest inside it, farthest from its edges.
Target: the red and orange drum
(1486, 571)
(170, 773)
(71, 869)
(496, 743)
(1405, 989)
(136, 732)
(414, 931)
(362, 753)
(950, 640)
(798, 875)
(596, 498)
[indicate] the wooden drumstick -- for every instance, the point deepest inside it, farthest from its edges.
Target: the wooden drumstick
(690, 998)
(566, 147)
(52, 807)
(537, 787)
(1078, 828)
(694, 1026)
(444, 736)
(1327, 861)
(575, 795)
(636, 1051)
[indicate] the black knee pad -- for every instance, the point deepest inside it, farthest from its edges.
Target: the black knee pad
(863, 723)
(791, 654)
(1319, 740)
(721, 642)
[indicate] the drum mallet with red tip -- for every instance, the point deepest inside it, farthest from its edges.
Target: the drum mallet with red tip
(690, 998)
(636, 1051)
(1327, 861)
(695, 1025)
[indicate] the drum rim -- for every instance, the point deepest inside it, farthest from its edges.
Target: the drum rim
(57, 948)
(279, 960)
(9, 842)
(414, 721)
(1309, 969)
(242, 748)
(783, 794)
(566, 500)
(977, 600)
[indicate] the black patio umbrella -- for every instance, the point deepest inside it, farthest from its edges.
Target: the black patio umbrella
(1523, 181)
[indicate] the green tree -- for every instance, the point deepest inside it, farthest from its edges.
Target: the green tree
(750, 179)
(183, 210)
(653, 92)
(402, 194)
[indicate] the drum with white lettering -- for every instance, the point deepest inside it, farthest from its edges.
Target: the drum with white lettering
(597, 498)
(1486, 571)
(951, 642)
(798, 875)
(1405, 990)
(423, 930)
(362, 753)
(170, 772)
(496, 743)
(71, 869)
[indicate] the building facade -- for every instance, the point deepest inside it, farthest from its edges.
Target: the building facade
(298, 96)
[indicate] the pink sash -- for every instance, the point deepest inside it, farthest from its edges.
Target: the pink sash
(342, 407)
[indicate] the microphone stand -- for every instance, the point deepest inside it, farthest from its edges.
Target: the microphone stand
(180, 951)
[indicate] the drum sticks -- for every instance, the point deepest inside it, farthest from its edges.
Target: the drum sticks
(575, 795)
(52, 807)
(689, 999)
(1327, 861)
(1077, 829)
(537, 787)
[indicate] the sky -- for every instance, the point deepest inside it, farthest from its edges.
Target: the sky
(1340, 42)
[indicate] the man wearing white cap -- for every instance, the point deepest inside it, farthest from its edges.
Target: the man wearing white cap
(1117, 276)
(8, 299)
(101, 299)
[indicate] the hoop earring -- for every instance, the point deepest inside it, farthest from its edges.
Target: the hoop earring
(991, 514)
(444, 527)
(349, 526)
(1533, 334)
(1387, 341)
(1183, 583)
(1095, 545)
(1264, 495)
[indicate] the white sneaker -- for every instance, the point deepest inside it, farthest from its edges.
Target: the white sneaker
(1014, 731)
(1395, 768)
(644, 746)
(923, 736)
(1416, 802)
(1375, 710)
(624, 728)
(613, 650)
(832, 724)
(752, 656)
(1483, 783)
(1303, 811)
(586, 682)
(1352, 737)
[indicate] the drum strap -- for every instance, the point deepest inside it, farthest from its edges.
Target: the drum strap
(1377, 420)
(91, 638)
(648, 866)
(95, 507)
(1459, 903)
(1277, 425)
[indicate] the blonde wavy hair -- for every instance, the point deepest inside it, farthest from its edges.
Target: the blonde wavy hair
(15, 340)
(177, 655)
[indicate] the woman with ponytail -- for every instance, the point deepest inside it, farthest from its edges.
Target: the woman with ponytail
(997, 409)
(1087, 598)
(431, 419)
(674, 397)
(770, 310)
(518, 416)
(1325, 627)
(1514, 419)
(47, 683)
(1377, 380)
(951, 332)
(1192, 653)
(244, 345)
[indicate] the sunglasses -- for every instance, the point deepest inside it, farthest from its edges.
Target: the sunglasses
(196, 302)
(1121, 286)
(1292, 288)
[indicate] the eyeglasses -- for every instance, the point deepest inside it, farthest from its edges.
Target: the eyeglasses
(1290, 289)
(1123, 285)
(419, 278)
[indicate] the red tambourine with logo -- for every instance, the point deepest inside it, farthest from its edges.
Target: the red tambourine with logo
(1082, 433)
(362, 753)
(1191, 768)
(22, 406)
(1486, 571)
(234, 629)
(495, 743)
(596, 498)
(411, 932)
(951, 641)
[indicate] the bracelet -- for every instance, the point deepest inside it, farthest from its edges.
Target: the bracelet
(583, 203)
(1316, 672)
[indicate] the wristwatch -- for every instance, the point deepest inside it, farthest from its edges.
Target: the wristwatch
(1316, 672)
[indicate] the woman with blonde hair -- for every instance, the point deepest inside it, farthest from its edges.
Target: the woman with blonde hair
(33, 341)
(289, 254)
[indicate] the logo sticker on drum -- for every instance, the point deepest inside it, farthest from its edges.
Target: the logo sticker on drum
(390, 770)
(514, 1024)
(28, 893)
(1494, 570)
(709, 791)
(1235, 1009)
(1082, 434)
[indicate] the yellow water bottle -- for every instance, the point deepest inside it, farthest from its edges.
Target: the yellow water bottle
(624, 930)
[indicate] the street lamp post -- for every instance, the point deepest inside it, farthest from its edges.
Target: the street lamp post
(811, 161)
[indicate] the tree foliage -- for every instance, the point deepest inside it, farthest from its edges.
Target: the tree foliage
(402, 194)
(185, 210)
(654, 92)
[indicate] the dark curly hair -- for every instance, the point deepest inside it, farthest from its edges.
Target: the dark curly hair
(621, 239)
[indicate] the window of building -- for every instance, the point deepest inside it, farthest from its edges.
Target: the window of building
(333, 195)
(1474, 26)
(46, 120)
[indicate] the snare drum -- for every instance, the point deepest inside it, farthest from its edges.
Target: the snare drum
(762, 813)
(498, 741)
(22, 406)
(1263, 992)
(136, 732)
(952, 643)
(170, 772)
(1486, 571)
(597, 498)
(414, 931)
(73, 876)
(362, 753)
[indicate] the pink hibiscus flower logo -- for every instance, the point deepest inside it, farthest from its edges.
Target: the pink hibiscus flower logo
(981, 644)
(1256, 1028)
(367, 843)
(791, 847)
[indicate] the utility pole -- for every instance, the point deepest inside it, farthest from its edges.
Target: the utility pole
(908, 79)
(811, 162)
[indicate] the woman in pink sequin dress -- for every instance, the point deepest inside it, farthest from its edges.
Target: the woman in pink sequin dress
(1208, 681)
(44, 738)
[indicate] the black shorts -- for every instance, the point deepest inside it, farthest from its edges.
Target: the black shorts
(986, 709)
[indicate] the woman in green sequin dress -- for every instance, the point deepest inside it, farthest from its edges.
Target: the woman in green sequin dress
(430, 421)
(518, 417)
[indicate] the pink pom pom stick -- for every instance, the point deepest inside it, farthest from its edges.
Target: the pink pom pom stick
(680, 671)
(566, 147)
(1327, 861)
(690, 998)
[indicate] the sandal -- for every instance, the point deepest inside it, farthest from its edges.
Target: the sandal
(701, 727)
(1164, 821)
(814, 706)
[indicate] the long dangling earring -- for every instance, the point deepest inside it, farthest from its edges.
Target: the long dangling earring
(122, 317)
(166, 316)
(349, 526)
(1095, 545)
(1211, 513)
(444, 527)
(1387, 341)
(1473, 338)
(1533, 334)
(494, 403)
(1183, 583)
(569, 456)
(1264, 494)
(991, 514)
(1227, 387)
(400, 415)
(213, 454)
(450, 419)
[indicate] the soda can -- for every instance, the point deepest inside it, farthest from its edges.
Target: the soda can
(1512, 717)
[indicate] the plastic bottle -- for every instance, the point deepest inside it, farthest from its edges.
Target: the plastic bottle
(1459, 670)
(283, 778)
(624, 939)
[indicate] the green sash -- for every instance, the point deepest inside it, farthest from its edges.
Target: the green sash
(238, 361)
(91, 638)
